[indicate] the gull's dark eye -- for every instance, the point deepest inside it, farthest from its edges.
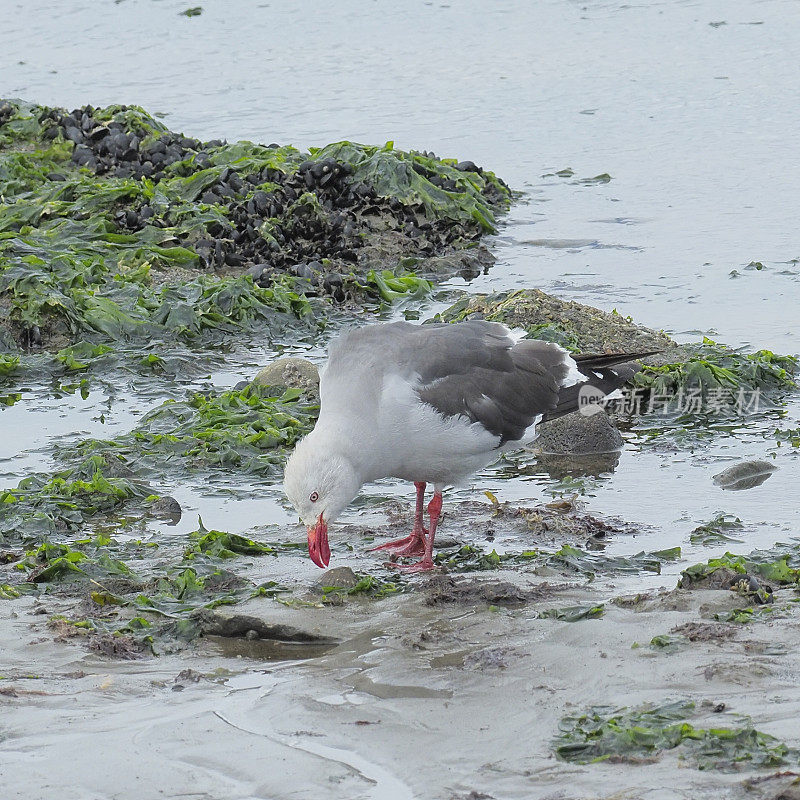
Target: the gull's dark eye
(314, 497)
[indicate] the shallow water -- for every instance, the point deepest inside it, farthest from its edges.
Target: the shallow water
(690, 107)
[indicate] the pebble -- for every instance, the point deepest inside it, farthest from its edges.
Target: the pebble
(291, 372)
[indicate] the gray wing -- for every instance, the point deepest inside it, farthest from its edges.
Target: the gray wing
(478, 371)
(475, 369)
(472, 368)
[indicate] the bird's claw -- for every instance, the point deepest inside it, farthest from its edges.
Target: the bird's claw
(413, 545)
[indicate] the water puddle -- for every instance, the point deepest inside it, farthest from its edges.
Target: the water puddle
(266, 649)
(575, 245)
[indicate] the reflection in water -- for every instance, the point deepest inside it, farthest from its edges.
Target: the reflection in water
(595, 465)
(259, 649)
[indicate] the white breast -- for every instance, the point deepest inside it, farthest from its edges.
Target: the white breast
(417, 443)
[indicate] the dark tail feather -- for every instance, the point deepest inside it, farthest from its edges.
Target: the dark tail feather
(597, 360)
(597, 367)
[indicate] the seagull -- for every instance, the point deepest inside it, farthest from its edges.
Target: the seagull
(431, 403)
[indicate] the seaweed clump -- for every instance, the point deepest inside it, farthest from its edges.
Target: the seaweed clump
(640, 735)
(780, 564)
(247, 430)
(110, 219)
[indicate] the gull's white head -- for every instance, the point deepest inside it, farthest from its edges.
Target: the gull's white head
(320, 484)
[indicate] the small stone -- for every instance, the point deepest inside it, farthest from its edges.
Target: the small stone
(340, 577)
(745, 475)
(167, 508)
(291, 372)
(579, 434)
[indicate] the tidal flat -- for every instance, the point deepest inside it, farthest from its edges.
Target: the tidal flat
(615, 627)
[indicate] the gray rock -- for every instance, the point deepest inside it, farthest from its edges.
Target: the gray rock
(579, 434)
(167, 508)
(745, 475)
(340, 577)
(292, 372)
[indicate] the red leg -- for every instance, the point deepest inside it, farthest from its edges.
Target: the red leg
(414, 544)
(426, 563)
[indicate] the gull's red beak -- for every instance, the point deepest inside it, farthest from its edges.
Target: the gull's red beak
(318, 548)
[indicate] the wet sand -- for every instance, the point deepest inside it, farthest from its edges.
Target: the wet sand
(437, 692)
(691, 109)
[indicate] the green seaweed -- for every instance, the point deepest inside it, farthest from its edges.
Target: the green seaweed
(591, 564)
(8, 365)
(644, 732)
(79, 356)
(71, 266)
(83, 488)
(392, 287)
(183, 589)
(711, 366)
(468, 558)
(668, 643)
(744, 615)
(220, 544)
(368, 585)
(50, 561)
(554, 332)
(780, 564)
(573, 613)
(247, 429)
(716, 530)
(417, 179)
(790, 435)
(10, 591)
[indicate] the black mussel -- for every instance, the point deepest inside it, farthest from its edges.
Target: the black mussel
(331, 281)
(256, 270)
(83, 156)
(74, 135)
(467, 166)
(261, 201)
